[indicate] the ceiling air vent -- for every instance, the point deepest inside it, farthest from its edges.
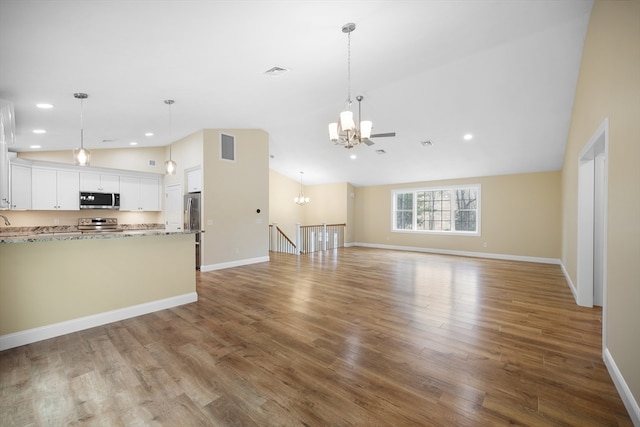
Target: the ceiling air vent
(381, 151)
(276, 71)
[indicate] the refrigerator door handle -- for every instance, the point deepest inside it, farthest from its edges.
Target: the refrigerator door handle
(187, 223)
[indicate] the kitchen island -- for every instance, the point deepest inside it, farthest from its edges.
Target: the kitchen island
(61, 281)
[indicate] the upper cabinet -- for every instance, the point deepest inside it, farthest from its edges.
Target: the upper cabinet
(194, 180)
(20, 187)
(53, 189)
(99, 182)
(39, 185)
(139, 194)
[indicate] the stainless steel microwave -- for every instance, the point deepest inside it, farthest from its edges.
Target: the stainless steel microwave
(99, 200)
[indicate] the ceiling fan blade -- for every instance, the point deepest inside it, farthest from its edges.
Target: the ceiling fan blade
(383, 135)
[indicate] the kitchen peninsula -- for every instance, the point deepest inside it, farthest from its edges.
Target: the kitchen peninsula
(57, 282)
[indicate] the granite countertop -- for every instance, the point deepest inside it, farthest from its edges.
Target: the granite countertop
(71, 232)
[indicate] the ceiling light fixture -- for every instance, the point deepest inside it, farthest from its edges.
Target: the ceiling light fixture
(468, 137)
(81, 155)
(301, 199)
(44, 106)
(345, 132)
(170, 165)
(39, 131)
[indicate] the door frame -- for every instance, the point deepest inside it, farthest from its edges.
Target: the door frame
(592, 166)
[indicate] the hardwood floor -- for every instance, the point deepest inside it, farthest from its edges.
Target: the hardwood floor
(354, 336)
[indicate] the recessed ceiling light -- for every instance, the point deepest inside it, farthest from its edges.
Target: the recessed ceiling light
(353, 157)
(34, 146)
(426, 143)
(468, 137)
(133, 143)
(39, 131)
(148, 134)
(44, 106)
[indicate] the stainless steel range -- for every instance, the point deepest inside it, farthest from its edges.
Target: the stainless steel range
(98, 224)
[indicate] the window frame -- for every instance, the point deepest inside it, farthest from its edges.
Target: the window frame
(452, 189)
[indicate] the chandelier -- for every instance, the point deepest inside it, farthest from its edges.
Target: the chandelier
(345, 131)
(301, 199)
(81, 155)
(170, 165)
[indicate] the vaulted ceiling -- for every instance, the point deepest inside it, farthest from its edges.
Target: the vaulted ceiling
(503, 71)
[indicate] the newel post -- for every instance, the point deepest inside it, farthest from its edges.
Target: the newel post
(298, 239)
(274, 236)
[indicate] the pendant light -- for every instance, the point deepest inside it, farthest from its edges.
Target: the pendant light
(170, 165)
(81, 155)
(345, 131)
(301, 199)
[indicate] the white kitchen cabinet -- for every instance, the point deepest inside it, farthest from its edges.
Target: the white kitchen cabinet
(99, 182)
(194, 180)
(20, 187)
(53, 189)
(139, 194)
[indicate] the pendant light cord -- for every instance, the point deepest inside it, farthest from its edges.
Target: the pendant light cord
(349, 70)
(81, 125)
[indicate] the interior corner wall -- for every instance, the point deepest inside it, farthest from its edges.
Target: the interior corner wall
(235, 233)
(330, 203)
(282, 210)
(609, 87)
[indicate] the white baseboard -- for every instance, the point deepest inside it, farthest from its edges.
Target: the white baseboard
(29, 336)
(462, 253)
(623, 389)
(239, 263)
(572, 286)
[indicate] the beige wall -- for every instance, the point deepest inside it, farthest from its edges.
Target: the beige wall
(330, 203)
(234, 231)
(609, 86)
(282, 210)
(132, 159)
(140, 269)
(187, 153)
(520, 217)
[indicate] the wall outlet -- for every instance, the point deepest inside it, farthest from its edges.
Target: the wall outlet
(484, 244)
(56, 221)
(209, 222)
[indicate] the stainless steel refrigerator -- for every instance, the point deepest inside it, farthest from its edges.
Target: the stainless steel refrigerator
(192, 213)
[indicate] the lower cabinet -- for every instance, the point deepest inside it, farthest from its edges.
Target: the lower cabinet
(139, 194)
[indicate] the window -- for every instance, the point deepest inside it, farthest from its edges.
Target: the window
(438, 210)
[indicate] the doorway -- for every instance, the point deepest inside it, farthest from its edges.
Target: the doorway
(592, 220)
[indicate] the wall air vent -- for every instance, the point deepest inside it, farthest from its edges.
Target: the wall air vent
(227, 147)
(276, 71)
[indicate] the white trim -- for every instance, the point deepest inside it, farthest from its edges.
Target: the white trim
(230, 264)
(29, 336)
(462, 253)
(622, 387)
(572, 285)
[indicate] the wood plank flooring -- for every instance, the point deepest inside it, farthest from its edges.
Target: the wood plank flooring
(354, 336)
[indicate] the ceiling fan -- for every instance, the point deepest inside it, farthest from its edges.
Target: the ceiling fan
(368, 141)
